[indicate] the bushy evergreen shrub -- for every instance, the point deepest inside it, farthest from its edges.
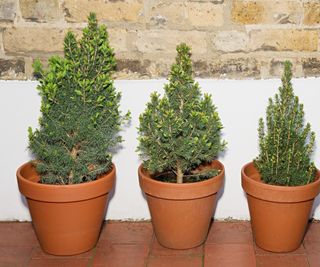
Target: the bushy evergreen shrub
(80, 119)
(181, 130)
(286, 144)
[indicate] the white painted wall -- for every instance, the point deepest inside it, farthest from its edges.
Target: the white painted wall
(240, 104)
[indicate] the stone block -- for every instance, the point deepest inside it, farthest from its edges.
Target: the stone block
(12, 68)
(247, 12)
(118, 39)
(168, 14)
(311, 13)
(235, 68)
(205, 14)
(267, 12)
(40, 10)
(284, 40)
(24, 40)
(154, 41)
(106, 10)
(230, 41)
(311, 66)
(7, 10)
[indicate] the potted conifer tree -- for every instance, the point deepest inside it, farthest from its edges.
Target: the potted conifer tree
(67, 183)
(179, 140)
(282, 182)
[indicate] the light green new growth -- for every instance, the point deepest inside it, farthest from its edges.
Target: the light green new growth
(285, 145)
(80, 118)
(180, 131)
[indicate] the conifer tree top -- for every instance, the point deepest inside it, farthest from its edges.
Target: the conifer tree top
(80, 118)
(286, 145)
(181, 130)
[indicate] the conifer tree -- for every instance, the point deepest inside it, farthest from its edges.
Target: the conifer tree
(80, 118)
(181, 130)
(286, 144)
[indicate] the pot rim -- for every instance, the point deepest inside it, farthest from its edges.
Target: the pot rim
(184, 190)
(254, 186)
(62, 193)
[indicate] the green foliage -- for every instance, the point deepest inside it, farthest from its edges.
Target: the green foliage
(80, 120)
(286, 145)
(182, 130)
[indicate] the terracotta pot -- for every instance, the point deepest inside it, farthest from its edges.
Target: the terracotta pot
(181, 213)
(67, 218)
(279, 214)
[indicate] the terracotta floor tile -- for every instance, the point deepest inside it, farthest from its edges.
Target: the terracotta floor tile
(127, 232)
(278, 260)
(59, 263)
(230, 233)
(38, 253)
(313, 232)
(313, 253)
(260, 251)
(229, 255)
(175, 261)
(17, 234)
(14, 256)
(121, 255)
(158, 250)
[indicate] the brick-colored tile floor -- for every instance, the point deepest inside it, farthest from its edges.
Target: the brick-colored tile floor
(133, 244)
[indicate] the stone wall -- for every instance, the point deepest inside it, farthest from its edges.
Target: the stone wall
(230, 38)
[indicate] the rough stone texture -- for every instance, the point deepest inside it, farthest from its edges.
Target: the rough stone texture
(12, 68)
(230, 41)
(172, 15)
(247, 12)
(155, 41)
(112, 10)
(267, 12)
(205, 14)
(40, 10)
(30, 40)
(311, 66)
(277, 67)
(312, 13)
(229, 38)
(7, 10)
(133, 67)
(284, 40)
(118, 39)
(235, 68)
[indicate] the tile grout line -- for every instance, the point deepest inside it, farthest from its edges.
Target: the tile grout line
(150, 248)
(91, 259)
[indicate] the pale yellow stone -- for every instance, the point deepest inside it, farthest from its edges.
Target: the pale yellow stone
(311, 13)
(267, 12)
(230, 41)
(25, 39)
(40, 10)
(168, 14)
(153, 41)
(284, 40)
(118, 39)
(205, 14)
(126, 10)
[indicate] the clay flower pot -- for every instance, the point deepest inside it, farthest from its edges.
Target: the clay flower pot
(181, 213)
(279, 214)
(67, 218)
